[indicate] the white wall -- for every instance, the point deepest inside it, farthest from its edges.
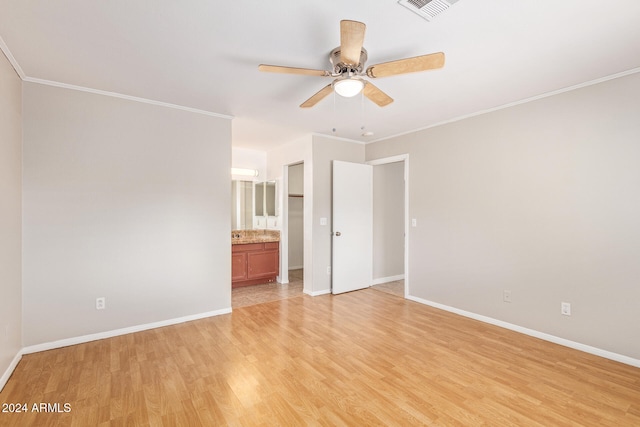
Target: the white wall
(122, 200)
(541, 199)
(10, 216)
(325, 150)
(388, 222)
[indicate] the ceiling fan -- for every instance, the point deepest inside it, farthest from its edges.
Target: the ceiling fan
(348, 61)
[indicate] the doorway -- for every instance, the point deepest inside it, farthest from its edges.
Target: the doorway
(295, 221)
(390, 232)
(290, 281)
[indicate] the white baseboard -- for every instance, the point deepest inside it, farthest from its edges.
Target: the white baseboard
(388, 279)
(316, 293)
(12, 366)
(531, 332)
(101, 335)
(114, 333)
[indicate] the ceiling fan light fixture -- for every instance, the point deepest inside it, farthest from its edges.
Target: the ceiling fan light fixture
(348, 87)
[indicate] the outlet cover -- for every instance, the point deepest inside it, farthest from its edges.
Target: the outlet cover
(565, 308)
(506, 296)
(100, 303)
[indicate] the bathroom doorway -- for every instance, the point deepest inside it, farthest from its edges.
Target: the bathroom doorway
(290, 281)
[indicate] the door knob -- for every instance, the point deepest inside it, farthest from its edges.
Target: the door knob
(338, 234)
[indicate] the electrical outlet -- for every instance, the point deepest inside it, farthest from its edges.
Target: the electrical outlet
(100, 303)
(329, 270)
(565, 308)
(506, 296)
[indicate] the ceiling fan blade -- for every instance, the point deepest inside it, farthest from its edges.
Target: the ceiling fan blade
(351, 40)
(292, 70)
(376, 95)
(431, 61)
(319, 96)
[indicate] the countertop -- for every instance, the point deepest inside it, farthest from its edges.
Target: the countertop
(243, 237)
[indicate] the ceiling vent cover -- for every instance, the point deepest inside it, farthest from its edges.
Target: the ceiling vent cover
(428, 9)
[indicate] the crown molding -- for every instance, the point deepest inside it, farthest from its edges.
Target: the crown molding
(515, 103)
(337, 138)
(12, 60)
(14, 63)
(123, 96)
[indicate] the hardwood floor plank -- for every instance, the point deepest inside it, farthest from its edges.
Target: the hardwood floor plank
(362, 358)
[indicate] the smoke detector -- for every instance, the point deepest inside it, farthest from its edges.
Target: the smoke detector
(428, 9)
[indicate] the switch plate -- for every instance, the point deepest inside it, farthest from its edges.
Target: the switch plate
(565, 308)
(100, 303)
(323, 221)
(414, 222)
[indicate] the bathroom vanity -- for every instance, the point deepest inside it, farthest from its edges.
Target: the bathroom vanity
(254, 257)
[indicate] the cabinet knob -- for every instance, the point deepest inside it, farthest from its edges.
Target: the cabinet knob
(338, 234)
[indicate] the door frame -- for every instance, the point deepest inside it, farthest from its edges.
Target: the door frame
(283, 278)
(405, 159)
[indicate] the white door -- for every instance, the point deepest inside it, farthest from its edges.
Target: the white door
(352, 226)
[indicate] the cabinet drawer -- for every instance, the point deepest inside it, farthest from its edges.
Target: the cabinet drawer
(248, 247)
(271, 245)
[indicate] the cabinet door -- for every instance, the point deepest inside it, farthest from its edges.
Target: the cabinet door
(238, 266)
(262, 264)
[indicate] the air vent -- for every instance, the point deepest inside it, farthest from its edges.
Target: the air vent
(428, 9)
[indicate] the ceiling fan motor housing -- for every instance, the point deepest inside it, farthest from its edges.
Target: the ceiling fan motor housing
(340, 68)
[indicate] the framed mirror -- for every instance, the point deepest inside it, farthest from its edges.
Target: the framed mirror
(259, 198)
(270, 198)
(265, 198)
(242, 205)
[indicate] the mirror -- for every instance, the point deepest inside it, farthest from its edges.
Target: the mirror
(259, 198)
(251, 200)
(265, 198)
(241, 205)
(270, 198)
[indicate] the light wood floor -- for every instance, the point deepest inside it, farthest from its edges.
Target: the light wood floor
(362, 358)
(394, 288)
(258, 294)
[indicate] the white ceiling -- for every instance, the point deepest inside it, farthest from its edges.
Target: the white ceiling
(204, 55)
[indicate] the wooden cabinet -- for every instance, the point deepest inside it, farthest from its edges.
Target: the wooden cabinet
(254, 263)
(238, 266)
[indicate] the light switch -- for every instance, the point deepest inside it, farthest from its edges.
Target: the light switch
(323, 221)
(414, 222)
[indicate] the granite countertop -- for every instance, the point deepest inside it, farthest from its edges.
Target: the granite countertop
(242, 237)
